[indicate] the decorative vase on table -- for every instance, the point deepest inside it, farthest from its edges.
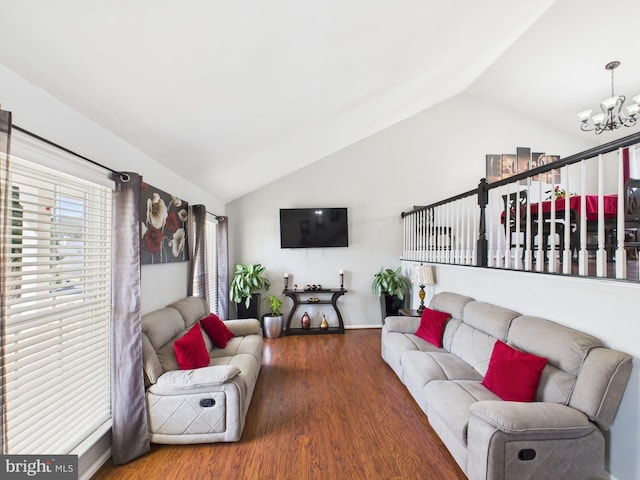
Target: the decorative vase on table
(324, 325)
(306, 321)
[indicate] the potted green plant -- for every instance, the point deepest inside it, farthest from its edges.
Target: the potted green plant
(247, 281)
(392, 288)
(273, 322)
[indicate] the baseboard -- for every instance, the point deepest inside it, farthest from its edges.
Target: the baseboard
(96, 465)
(362, 327)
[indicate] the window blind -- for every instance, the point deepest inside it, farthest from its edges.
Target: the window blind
(57, 309)
(212, 262)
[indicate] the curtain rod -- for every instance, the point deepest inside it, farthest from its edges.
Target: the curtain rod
(123, 176)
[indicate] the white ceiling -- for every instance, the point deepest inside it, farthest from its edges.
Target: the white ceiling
(237, 94)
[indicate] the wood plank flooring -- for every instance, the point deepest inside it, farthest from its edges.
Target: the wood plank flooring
(325, 406)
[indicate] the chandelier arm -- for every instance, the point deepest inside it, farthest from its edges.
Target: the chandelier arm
(613, 116)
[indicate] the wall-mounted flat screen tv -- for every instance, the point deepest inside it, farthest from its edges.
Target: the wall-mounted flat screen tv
(313, 227)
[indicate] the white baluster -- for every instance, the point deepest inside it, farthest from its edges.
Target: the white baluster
(507, 230)
(540, 233)
(553, 256)
(566, 260)
(601, 254)
(581, 218)
(621, 252)
(528, 253)
(489, 211)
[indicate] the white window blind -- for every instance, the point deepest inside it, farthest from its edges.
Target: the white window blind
(212, 262)
(57, 309)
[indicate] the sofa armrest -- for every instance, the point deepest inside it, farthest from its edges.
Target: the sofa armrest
(402, 324)
(197, 380)
(508, 440)
(243, 327)
(534, 417)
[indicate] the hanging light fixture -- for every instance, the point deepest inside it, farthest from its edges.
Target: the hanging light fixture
(612, 116)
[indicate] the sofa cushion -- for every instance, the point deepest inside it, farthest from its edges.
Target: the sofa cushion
(483, 323)
(150, 362)
(450, 402)
(488, 318)
(216, 330)
(190, 350)
(432, 323)
(450, 302)
(513, 375)
(473, 346)
(191, 309)
(162, 326)
(420, 368)
(564, 348)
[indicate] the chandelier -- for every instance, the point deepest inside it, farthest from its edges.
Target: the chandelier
(612, 116)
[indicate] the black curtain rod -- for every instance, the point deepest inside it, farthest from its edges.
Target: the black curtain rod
(124, 176)
(220, 218)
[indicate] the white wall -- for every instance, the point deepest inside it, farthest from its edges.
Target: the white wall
(418, 161)
(39, 112)
(422, 160)
(604, 308)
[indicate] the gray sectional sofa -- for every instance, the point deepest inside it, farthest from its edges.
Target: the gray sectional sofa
(558, 436)
(200, 405)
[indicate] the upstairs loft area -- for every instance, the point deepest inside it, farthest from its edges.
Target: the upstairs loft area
(578, 216)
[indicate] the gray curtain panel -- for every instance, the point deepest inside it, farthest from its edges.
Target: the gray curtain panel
(130, 431)
(5, 138)
(223, 267)
(197, 227)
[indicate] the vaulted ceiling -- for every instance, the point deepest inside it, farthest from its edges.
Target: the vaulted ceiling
(219, 89)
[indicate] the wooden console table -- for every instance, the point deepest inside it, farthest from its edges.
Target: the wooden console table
(301, 297)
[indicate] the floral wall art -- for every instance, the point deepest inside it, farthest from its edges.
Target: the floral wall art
(163, 223)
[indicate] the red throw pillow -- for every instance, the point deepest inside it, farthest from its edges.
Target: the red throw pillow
(217, 330)
(512, 374)
(190, 350)
(431, 327)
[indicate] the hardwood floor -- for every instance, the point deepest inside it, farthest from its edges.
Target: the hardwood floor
(325, 406)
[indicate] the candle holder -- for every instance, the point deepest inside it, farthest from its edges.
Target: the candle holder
(286, 281)
(341, 280)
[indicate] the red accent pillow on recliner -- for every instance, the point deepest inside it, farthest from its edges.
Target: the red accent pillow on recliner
(190, 350)
(432, 323)
(513, 375)
(218, 332)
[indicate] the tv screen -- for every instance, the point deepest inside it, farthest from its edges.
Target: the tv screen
(313, 227)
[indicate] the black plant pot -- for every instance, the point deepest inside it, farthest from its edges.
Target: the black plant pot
(252, 311)
(390, 305)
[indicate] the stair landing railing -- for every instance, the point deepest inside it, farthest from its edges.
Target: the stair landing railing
(566, 217)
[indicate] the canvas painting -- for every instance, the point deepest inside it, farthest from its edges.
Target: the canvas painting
(163, 227)
(494, 168)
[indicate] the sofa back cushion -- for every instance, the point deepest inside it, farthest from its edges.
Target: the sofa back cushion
(162, 326)
(481, 326)
(453, 304)
(191, 309)
(564, 348)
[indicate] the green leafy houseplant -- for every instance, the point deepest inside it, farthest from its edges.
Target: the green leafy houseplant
(247, 279)
(274, 305)
(390, 282)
